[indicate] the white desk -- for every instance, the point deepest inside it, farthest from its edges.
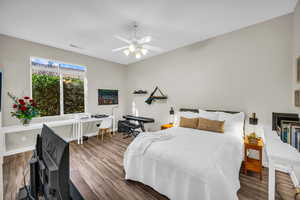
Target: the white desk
(78, 126)
(76, 123)
(281, 156)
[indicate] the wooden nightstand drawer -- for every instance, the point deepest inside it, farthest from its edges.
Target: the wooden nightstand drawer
(251, 164)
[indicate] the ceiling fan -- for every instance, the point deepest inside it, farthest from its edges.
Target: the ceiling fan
(136, 46)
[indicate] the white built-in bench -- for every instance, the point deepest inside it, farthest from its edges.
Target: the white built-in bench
(282, 157)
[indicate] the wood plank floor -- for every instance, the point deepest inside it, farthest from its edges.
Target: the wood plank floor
(97, 171)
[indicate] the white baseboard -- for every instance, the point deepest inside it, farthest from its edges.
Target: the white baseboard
(20, 150)
(282, 168)
(278, 167)
(294, 178)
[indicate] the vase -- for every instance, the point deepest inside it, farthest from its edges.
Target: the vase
(25, 122)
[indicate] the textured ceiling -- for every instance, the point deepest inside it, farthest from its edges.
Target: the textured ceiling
(91, 24)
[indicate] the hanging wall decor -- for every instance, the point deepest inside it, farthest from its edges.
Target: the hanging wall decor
(153, 97)
(297, 98)
(140, 92)
(108, 97)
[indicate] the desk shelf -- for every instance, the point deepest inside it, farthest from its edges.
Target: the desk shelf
(76, 123)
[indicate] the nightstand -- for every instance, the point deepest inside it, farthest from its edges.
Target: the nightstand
(166, 126)
(251, 164)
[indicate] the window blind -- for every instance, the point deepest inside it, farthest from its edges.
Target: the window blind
(42, 66)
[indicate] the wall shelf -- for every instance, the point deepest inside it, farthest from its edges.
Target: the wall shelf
(140, 92)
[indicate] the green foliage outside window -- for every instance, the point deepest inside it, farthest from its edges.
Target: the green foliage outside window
(73, 95)
(46, 92)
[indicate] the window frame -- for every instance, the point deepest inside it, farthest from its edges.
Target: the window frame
(61, 100)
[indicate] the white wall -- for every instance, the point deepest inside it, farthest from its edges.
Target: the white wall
(247, 70)
(297, 30)
(296, 44)
(15, 60)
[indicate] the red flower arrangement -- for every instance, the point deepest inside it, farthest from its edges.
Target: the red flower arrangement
(24, 109)
(21, 101)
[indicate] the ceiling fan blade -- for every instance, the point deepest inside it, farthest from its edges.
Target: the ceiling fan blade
(120, 49)
(152, 48)
(123, 39)
(145, 39)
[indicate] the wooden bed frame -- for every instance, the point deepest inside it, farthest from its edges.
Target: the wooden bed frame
(197, 110)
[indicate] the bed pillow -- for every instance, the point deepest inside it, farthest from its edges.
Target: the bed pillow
(233, 122)
(208, 115)
(231, 118)
(188, 122)
(210, 125)
(185, 115)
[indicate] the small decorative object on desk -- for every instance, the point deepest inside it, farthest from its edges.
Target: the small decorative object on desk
(24, 109)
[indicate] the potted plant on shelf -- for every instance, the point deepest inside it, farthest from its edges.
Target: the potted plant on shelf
(24, 109)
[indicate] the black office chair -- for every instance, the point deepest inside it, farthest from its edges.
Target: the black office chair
(129, 129)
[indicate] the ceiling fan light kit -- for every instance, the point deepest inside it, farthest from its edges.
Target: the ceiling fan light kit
(138, 55)
(132, 48)
(126, 52)
(137, 50)
(136, 46)
(144, 51)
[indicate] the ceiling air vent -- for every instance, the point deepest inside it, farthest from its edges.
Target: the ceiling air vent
(75, 46)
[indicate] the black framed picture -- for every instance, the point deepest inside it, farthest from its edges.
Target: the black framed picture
(297, 98)
(108, 97)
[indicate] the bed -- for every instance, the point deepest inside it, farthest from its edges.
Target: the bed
(189, 164)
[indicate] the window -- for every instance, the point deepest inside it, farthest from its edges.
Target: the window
(58, 88)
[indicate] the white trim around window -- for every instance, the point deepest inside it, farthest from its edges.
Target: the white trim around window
(61, 88)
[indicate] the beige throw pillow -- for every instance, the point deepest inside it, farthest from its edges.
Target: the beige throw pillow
(188, 122)
(210, 125)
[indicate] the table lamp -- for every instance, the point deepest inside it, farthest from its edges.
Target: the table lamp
(172, 112)
(253, 121)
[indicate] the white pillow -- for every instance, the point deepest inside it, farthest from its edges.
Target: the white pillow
(232, 117)
(208, 115)
(185, 115)
(233, 122)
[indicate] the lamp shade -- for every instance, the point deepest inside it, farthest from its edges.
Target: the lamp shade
(172, 117)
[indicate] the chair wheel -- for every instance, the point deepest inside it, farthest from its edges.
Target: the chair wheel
(136, 133)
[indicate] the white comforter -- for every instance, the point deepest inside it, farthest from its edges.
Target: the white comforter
(186, 164)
